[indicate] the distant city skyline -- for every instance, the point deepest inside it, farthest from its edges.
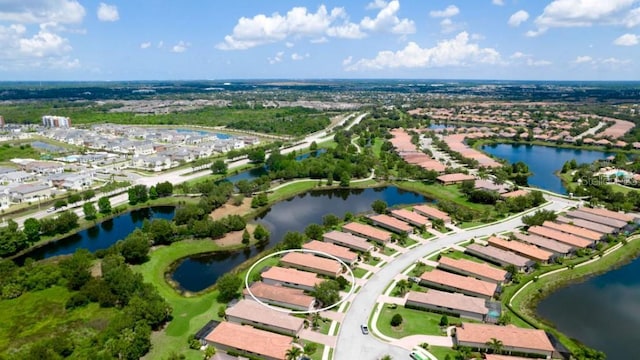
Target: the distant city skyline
(77, 40)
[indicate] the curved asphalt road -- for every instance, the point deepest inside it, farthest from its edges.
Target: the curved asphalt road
(352, 344)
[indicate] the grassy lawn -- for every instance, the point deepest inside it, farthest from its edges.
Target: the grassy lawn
(373, 261)
(419, 269)
(189, 313)
(325, 324)
(408, 243)
(623, 189)
(376, 148)
(469, 224)
(359, 272)
(39, 314)
(451, 193)
(317, 355)
(455, 254)
(441, 352)
(292, 189)
(415, 322)
(412, 287)
(389, 251)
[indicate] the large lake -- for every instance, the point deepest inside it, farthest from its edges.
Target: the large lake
(102, 235)
(543, 161)
(603, 312)
(199, 272)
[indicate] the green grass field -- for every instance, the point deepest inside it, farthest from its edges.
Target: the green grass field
(359, 272)
(189, 313)
(451, 193)
(441, 352)
(415, 322)
(39, 314)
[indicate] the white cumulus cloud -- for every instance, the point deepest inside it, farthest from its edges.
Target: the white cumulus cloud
(627, 40)
(347, 60)
(518, 18)
(453, 52)
(108, 12)
(583, 59)
(388, 20)
(376, 4)
(298, 57)
(277, 58)
(41, 11)
(450, 11)
(498, 2)
(581, 13)
(180, 47)
(145, 45)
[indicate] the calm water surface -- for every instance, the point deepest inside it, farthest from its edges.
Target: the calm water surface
(603, 312)
(102, 235)
(544, 161)
(199, 272)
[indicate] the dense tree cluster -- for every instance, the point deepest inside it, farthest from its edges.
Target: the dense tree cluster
(140, 309)
(539, 217)
(13, 240)
(291, 121)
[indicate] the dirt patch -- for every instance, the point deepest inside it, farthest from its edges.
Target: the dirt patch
(230, 209)
(234, 238)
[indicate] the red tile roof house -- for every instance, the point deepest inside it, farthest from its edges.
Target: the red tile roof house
(457, 178)
(281, 296)
(499, 256)
(228, 336)
(602, 229)
(608, 213)
(309, 262)
(575, 230)
(369, 232)
(348, 240)
(616, 224)
(411, 217)
(481, 271)
(560, 236)
(527, 250)
(432, 213)
(457, 283)
(514, 339)
(291, 278)
(391, 223)
(556, 247)
(468, 307)
(249, 312)
(349, 257)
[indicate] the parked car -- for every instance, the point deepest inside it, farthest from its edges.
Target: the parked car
(365, 329)
(51, 209)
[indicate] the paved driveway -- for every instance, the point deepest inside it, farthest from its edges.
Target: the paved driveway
(352, 344)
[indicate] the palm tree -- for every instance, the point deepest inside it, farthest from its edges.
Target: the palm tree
(402, 286)
(293, 353)
(315, 320)
(209, 352)
(495, 345)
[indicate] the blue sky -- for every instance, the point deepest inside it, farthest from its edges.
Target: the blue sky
(200, 39)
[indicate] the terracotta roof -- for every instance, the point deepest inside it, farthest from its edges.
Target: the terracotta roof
(559, 236)
(392, 222)
(526, 250)
(510, 336)
(410, 216)
(572, 229)
(297, 259)
(368, 231)
(500, 255)
(608, 213)
(482, 269)
(460, 282)
(349, 239)
(618, 224)
(545, 243)
(456, 177)
(454, 301)
(253, 311)
(432, 212)
(252, 340)
(338, 251)
(292, 276)
(603, 229)
(280, 294)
